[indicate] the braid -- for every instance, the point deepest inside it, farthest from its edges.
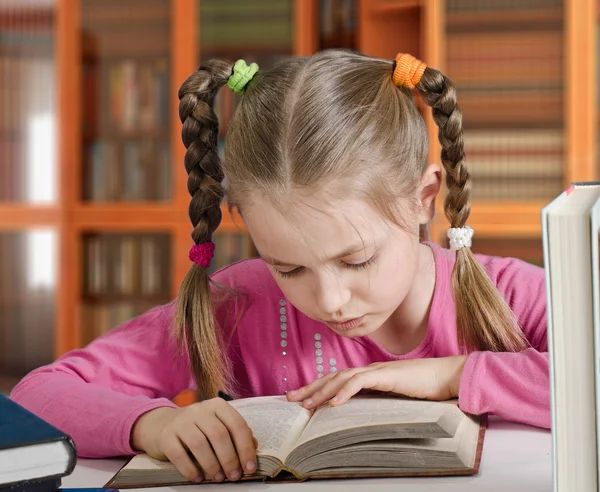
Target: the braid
(448, 117)
(194, 322)
(484, 320)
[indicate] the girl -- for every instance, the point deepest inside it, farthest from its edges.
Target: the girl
(326, 161)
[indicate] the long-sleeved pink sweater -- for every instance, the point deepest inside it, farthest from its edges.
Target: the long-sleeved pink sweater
(96, 394)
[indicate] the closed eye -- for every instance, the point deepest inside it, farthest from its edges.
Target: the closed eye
(353, 266)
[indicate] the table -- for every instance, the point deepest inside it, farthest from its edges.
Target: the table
(515, 457)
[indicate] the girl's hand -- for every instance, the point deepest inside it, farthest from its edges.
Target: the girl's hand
(432, 379)
(213, 431)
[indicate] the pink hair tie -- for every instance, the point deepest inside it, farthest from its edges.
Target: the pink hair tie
(202, 253)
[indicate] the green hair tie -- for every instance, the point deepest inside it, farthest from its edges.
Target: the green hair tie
(242, 74)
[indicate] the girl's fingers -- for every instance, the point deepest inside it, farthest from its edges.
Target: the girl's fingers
(222, 444)
(309, 389)
(241, 435)
(375, 380)
(177, 454)
(330, 388)
(195, 440)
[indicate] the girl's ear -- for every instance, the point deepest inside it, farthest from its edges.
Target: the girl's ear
(429, 187)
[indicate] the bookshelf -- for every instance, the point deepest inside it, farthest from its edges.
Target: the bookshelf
(524, 73)
(107, 172)
(508, 64)
(29, 213)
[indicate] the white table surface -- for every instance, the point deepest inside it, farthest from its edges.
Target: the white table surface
(516, 458)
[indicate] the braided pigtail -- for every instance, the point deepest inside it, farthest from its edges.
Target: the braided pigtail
(194, 320)
(484, 319)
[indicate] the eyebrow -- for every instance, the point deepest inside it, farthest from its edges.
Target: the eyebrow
(343, 254)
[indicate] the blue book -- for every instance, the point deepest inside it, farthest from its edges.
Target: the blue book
(34, 455)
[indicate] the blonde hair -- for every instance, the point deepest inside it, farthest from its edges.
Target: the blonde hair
(305, 123)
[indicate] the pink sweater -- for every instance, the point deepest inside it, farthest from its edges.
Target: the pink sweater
(96, 394)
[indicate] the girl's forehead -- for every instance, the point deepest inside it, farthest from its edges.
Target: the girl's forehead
(314, 212)
(319, 225)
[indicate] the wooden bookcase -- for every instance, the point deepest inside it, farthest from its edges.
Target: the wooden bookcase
(84, 43)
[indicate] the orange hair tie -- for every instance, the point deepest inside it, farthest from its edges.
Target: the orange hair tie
(408, 71)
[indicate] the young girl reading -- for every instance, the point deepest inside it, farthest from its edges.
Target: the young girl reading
(326, 159)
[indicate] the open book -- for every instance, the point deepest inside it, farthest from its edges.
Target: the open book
(368, 436)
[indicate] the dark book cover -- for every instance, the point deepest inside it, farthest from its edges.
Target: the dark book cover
(20, 428)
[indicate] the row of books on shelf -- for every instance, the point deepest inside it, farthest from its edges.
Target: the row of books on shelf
(128, 171)
(515, 165)
(505, 57)
(26, 327)
(229, 248)
(139, 264)
(131, 264)
(109, 12)
(507, 75)
(337, 24)
(455, 6)
(519, 106)
(514, 189)
(26, 29)
(98, 318)
(13, 168)
(127, 95)
(136, 28)
(264, 25)
(27, 93)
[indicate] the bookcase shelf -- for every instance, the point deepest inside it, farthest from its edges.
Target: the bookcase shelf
(512, 18)
(18, 216)
(526, 81)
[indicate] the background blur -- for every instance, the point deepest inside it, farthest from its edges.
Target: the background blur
(93, 200)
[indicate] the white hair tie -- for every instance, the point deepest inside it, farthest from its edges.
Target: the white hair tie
(460, 237)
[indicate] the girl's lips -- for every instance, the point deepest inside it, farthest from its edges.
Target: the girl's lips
(346, 325)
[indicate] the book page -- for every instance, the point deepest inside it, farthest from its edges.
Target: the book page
(595, 215)
(364, 411)
(144, 462)
(275, 422)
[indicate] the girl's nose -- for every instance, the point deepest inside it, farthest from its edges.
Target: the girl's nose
(332, 293)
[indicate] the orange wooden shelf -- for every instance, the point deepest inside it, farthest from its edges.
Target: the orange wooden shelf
(499, 219)
(511, 17)
(394, 6)
(124, 215)
(20, 216)
(143, 215)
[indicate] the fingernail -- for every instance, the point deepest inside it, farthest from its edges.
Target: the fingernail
(292, 393)
(308, 402)
(199, 479)
(234, 475)
(219, 477)
(335, 398)
(250, 466)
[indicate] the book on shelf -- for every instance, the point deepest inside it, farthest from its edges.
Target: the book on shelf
(241, 25)
(571, 235)
(455, 6)
(507, 62)
(128, 170)
(124, 276)
(525, 164)
(337, 24)
(369, 436)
